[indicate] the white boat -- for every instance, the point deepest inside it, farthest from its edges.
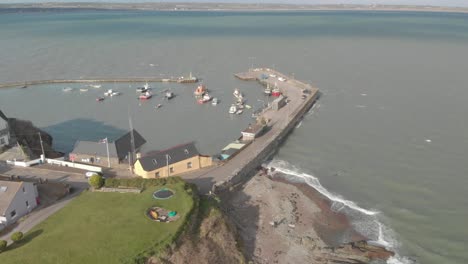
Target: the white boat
(169, 95)
(111, 92)
(143, 89)
(267, 90)
(239, 112)
(206, 97)
(214, 101)
(233, 109)
(67, 89)
(238, 94)
(97, 86)
(83, 89)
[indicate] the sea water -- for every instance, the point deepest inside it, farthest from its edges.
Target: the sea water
(387, 141)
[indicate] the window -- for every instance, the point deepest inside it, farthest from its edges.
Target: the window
(189, 165)
(171, 169)
(157, 174)
(186, 151)
(27, 204)
(13, 213)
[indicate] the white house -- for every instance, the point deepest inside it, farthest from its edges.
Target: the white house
(16, 200)
(4, 130)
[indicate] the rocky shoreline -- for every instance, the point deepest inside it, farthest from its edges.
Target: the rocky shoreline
(283, 222)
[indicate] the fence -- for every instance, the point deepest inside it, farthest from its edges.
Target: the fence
(23, 163)
(74, 165)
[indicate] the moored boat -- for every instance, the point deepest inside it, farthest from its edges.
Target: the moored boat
(233, 109)
(267, 90)
(95, 86)
(276, 92)
(214, 101)
(201, 90)
(144, 88)
(99, 99)
(145, 96)
(111, 92)
(239, 112)
(169, 95)
(83, 89)
(238, 94)
(67, 89)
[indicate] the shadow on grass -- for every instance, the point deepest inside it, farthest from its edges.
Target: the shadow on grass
(26, 239)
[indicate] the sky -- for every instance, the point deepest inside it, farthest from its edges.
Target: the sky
(452, 3)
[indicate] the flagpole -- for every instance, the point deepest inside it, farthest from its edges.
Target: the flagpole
(108, 157)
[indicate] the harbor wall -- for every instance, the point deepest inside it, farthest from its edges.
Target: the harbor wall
(248, 170)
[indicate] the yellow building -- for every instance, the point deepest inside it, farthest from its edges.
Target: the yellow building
(176, 160)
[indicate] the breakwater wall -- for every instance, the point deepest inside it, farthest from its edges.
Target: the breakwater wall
(100, 80)
(266, 151)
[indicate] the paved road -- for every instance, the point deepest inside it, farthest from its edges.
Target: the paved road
(279, 120)
(76, 180)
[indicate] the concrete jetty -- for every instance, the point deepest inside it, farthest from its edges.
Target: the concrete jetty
(300, 98)
(181, 79)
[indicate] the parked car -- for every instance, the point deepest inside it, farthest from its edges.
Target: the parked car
(89, 174)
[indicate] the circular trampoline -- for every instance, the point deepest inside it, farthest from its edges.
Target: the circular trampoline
(163, 193)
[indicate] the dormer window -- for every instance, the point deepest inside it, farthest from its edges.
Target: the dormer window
(155, 162)
(186, 151)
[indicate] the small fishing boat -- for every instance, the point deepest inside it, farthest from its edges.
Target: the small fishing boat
(67, 89)
(143, 89)
(214, 101)
(97, 86)
(206, 98)
(233, 109)
(239, 112)
(111, 93)
(200, 91)
(169, 95)
(158, 106)
(145, 96)
(267, 90)
(238, 94)
(276, 92)
(99, 99)
(248, 106)
(83, 89)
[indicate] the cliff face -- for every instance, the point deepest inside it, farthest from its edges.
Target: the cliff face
(210, 240)
(27, 135)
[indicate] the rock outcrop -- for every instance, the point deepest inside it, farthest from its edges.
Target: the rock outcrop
(27, 135)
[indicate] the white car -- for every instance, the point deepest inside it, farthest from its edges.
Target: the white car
(273, 75)
(281, 79)
(89, 174)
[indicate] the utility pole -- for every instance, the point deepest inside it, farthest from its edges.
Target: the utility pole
(42, 146)
(132, 141)
(167, 164)
(108, 156)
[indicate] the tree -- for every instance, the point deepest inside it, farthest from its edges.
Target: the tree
(3, 245)
(96, 181)
(17, 236)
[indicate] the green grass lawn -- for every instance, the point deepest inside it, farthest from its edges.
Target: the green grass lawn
(101, 228)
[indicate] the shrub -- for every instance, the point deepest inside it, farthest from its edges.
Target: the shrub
(17, 236)
(3, 245)
(96, 181)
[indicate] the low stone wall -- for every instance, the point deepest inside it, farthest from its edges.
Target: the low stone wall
(245, 172)
(119, 190)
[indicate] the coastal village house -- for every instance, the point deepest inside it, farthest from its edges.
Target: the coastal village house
(4, 130)
(176, 160)
(96, 152)
(16, 200)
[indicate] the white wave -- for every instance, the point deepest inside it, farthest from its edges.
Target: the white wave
(299, 125)
(285, 168)
(366, 223)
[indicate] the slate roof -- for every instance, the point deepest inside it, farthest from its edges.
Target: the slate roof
(3, 116)
(117, 149)
(156, 160)
(94, 149)
(8, 190)
(123, 144)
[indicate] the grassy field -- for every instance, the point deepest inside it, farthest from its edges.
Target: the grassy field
(101, 228)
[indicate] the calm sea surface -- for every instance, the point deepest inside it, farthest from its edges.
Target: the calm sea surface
(390, 132)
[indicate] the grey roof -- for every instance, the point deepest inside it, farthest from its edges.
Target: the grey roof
(230, 151)
(94, 149)
(3, 116)
(117, 149)
(123, 144)
(8, 190)
(156, 160)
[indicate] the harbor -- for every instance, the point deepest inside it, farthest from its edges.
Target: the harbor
(299, 96)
